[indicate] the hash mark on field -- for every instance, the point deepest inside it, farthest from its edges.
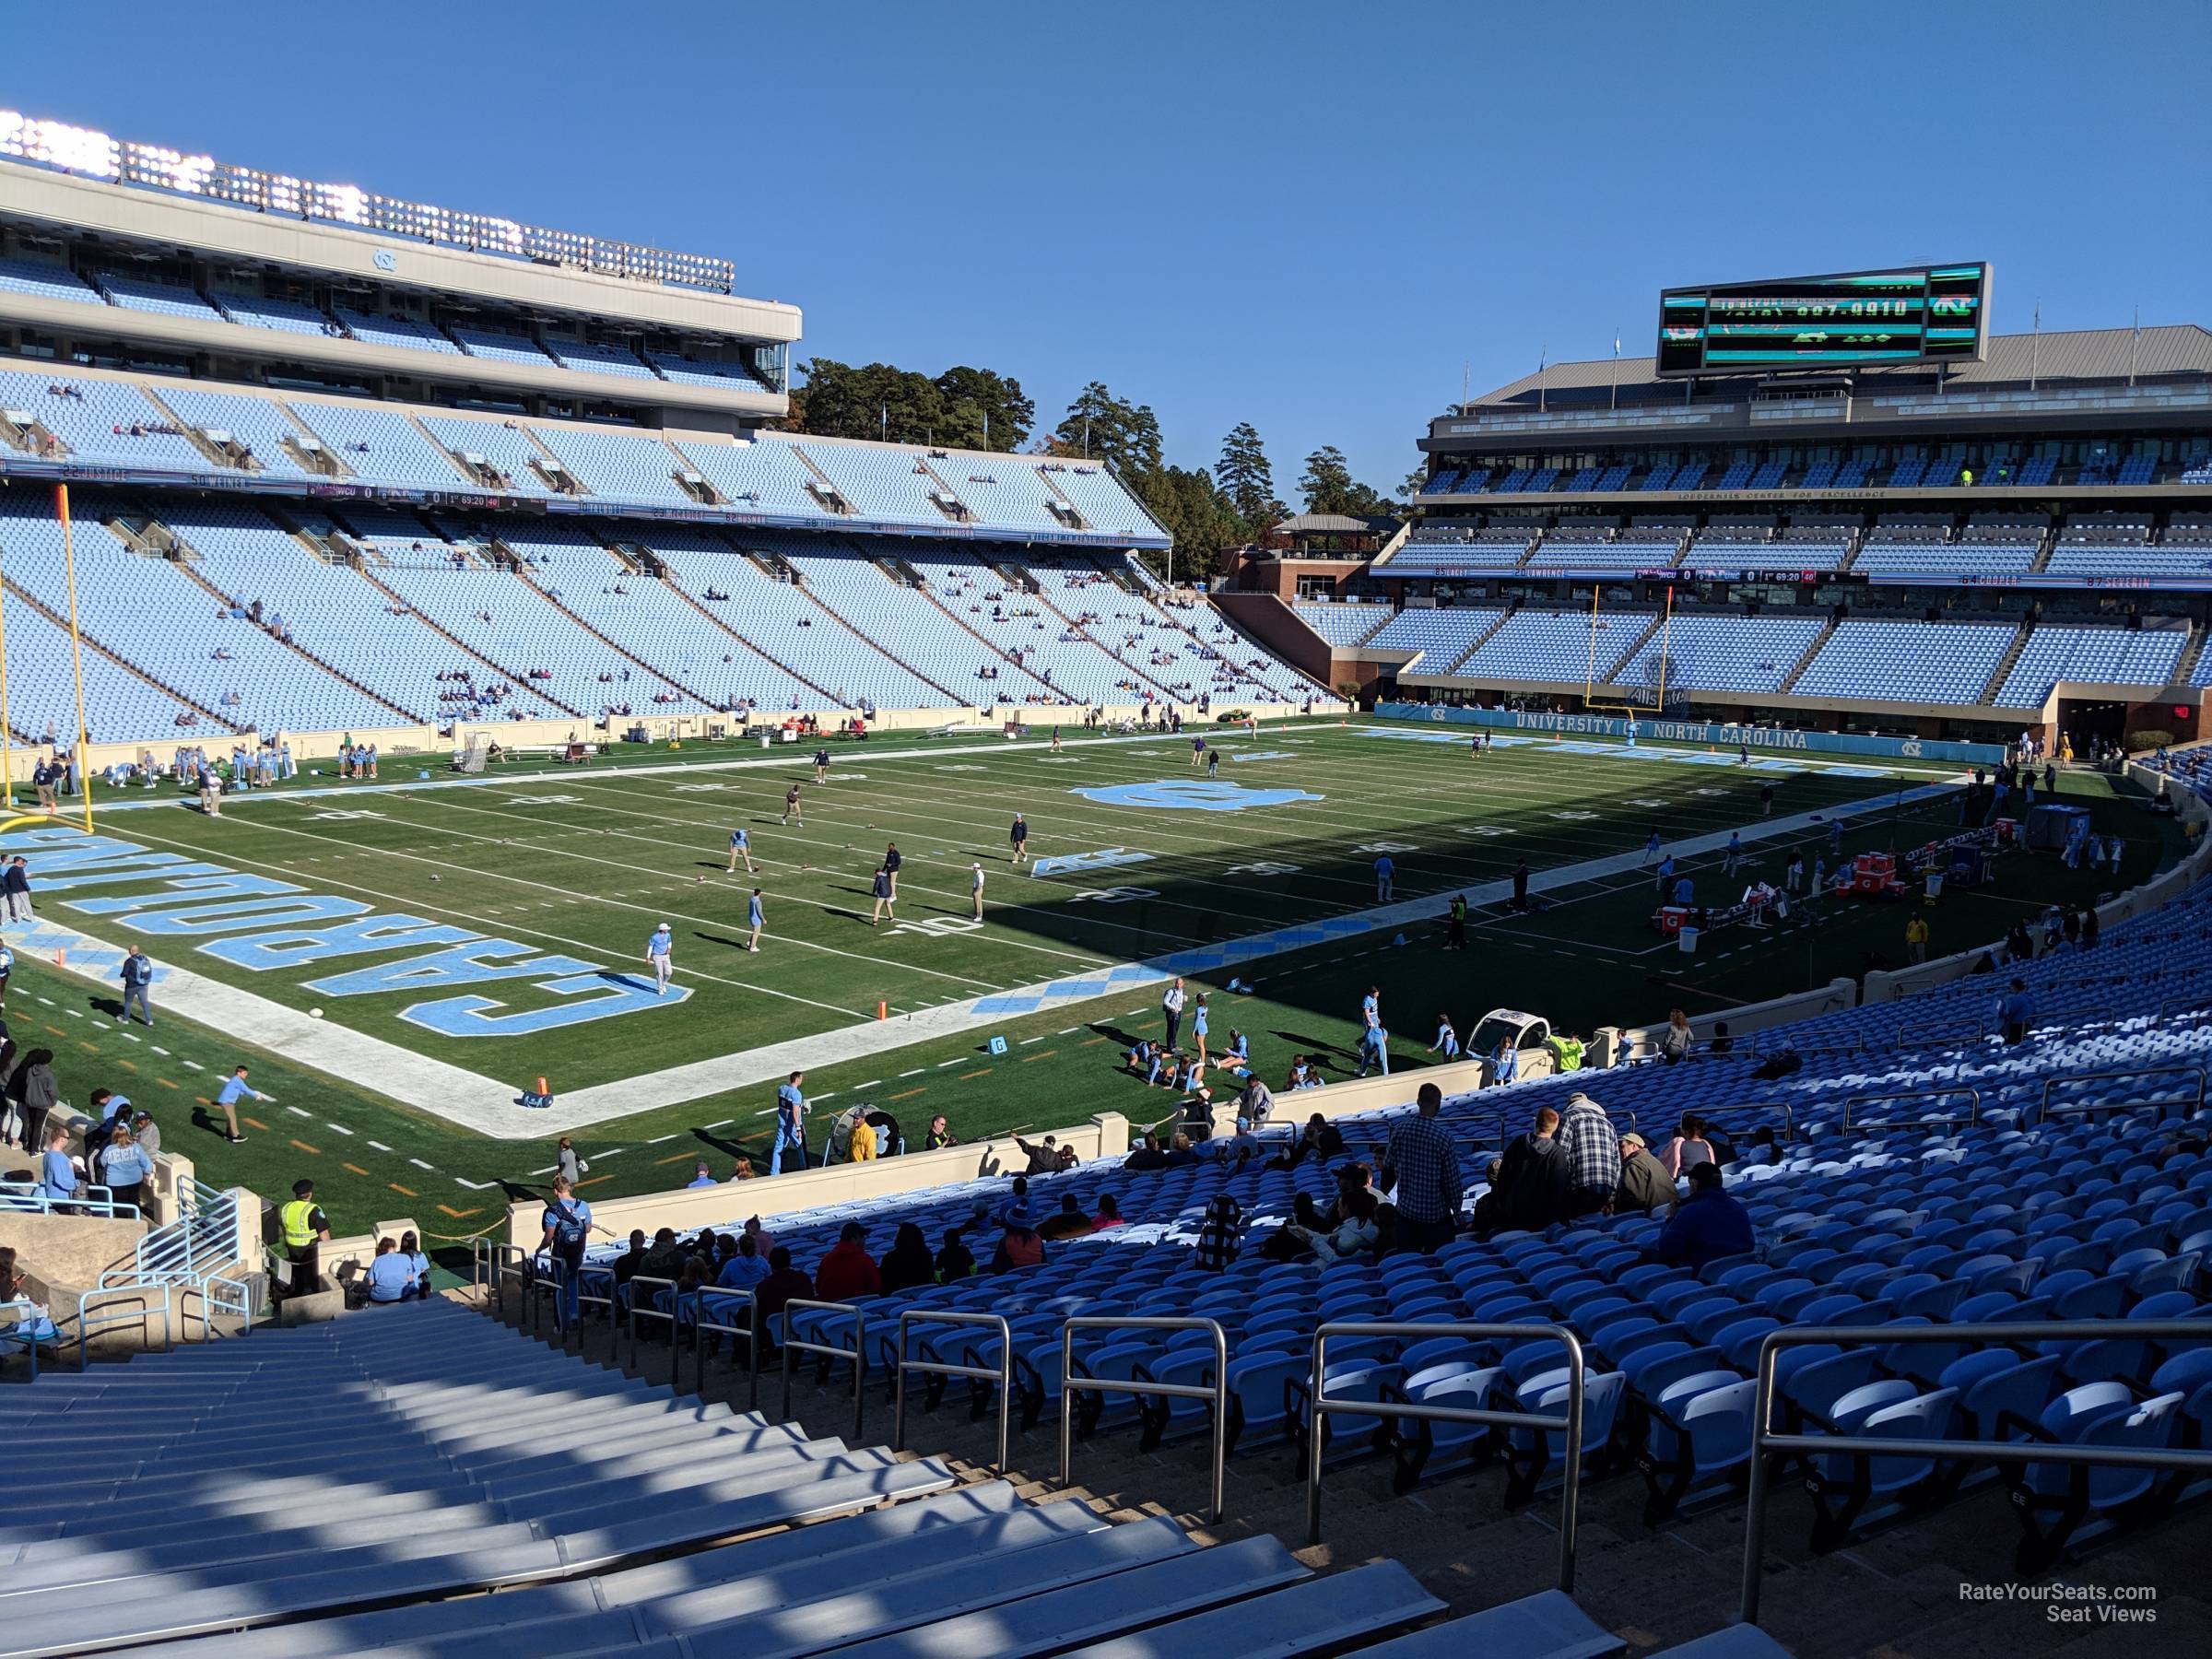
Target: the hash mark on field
(871, 1083)
(906, 1093)
(535, 1173)
(421, 1165)
(355, 1168)
(380, 1145)
(160, 1050)
(981, 1071)
(255, 1122)
(1039, 1038)
(657, 1139)
(339, 1127)
(1032, 1059)
(475, 1186)
(305, 1147)
(74, 1013)
(943, 1064)
(725, 1122)
(47, 1000)
(130, 1036)
(1065, 1031)
(194, 1065)
(296, 1111)
(915, 1072)
(397, 1188)
(617, 1152)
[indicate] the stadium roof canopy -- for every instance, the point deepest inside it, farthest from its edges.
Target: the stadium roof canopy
(2090, 354)
(1336, 524)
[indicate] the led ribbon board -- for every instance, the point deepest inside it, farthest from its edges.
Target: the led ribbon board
(1931, 314)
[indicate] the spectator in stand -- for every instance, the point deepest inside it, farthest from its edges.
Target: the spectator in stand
(1427, 1161)
(1706, 1225)
(848, 1270)
(1320, 1139)
(411, 1247)
(124, 1169)
(1356, 1237)
(1109, 1215)
(940, 1136)
(745, 1269)
(907, 1262)
(57, 1174)
(1533, 1178)
(625, 1267)
(390, 1276)
(1644, 1183)
(1674, 1043)
(1221, 1234)
(783, 1284)
(147, 1133)
(1149, 1155)
(1687, 1148)
(955, 1259)
(2017, 1010)
(1050, 1158)
(1019, 1246)
(567, 1227)
(33, 1092)
(1592, 1153)
(701, 1176)
(1069, 1223)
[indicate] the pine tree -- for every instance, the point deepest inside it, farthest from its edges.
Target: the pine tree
(1248, 481)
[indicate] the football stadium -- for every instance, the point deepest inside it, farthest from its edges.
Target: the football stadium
(704, 1034)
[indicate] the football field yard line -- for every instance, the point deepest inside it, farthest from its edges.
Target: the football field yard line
(603, 1101)
(790, 940)
(459, 916)
(707, 853)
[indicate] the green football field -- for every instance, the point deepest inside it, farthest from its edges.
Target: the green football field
(578, 865)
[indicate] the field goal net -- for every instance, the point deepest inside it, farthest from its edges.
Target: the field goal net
(1633, 668)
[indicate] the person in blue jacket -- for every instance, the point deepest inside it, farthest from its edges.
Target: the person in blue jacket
(1705, 1226)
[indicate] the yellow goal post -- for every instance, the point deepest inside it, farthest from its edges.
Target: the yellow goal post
(1632, 671)
(11, 817)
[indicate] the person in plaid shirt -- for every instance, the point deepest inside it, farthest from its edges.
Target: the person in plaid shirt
(1221, 1235)
(1427, 1161)
(1593, 1155)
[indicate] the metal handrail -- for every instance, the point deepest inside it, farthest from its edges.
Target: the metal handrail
(2043, 1110)
(1003, 1375)
(551, 1285)
(641, 1307)
(749, 1330)
(1763, 1440)
(86, 1325)
(31, 1196)
(1973, 1114)
(1571, 1425)
(856, 1353)
(1219, 1393)
(504, 1261)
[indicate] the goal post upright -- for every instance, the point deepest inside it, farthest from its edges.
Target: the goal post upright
(9, 818)
(1632, 699)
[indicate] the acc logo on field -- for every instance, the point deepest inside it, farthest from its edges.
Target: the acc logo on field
(1193, 795)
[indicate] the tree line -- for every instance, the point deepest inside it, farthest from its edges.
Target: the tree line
(1207, 510)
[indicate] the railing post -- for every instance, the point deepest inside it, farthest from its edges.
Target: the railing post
(1003, 1375)
(1217, 1394)
(1755, 1490)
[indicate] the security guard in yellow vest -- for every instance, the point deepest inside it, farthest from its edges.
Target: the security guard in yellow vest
(305, 1229)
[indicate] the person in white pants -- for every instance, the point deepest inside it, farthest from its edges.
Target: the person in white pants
(660, 955)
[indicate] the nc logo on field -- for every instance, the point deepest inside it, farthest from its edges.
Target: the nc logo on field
(1193, 795)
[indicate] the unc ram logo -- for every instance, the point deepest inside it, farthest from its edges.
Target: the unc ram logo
(1193, 795)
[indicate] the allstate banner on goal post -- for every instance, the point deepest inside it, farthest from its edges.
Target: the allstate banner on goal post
(1652, 729)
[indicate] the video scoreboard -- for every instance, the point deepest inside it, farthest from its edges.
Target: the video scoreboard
(1932, 313)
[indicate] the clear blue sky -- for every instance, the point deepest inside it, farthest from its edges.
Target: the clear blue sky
(1305, 216)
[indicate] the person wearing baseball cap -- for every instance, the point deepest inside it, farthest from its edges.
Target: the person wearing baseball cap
(1643, 1180)
(660, 956)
